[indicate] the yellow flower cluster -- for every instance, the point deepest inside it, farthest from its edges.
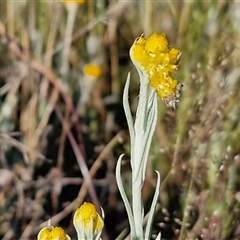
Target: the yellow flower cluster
(87, 223)
(87, 216)
(154, 57)
(53, 233)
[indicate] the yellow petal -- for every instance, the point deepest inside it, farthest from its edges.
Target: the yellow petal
(174, 55)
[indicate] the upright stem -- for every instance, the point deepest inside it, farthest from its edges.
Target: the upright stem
(72, 11)
(140, 127)
(137, 157)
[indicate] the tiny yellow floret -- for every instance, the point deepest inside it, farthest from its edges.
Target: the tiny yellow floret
(157, 43)
(153, 56)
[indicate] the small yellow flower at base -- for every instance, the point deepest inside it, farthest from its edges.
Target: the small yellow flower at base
(88, 222)
(153, 56)
(52, 233)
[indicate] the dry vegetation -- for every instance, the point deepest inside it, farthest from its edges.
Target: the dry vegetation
(55, 122)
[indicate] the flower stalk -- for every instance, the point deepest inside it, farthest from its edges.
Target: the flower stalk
(155, 63)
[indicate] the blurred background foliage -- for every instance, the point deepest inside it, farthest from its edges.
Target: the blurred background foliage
(62, 71)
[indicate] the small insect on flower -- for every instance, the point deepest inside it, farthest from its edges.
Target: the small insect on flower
(179, 90)
(171, 100)
(159, 62)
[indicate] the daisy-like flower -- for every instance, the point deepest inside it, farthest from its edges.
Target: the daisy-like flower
(153, 56)
(88, 222)
(53, 233)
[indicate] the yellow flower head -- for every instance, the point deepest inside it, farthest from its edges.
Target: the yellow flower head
(52, 233)
(88, 222)
(153, 56)
(92, 70)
